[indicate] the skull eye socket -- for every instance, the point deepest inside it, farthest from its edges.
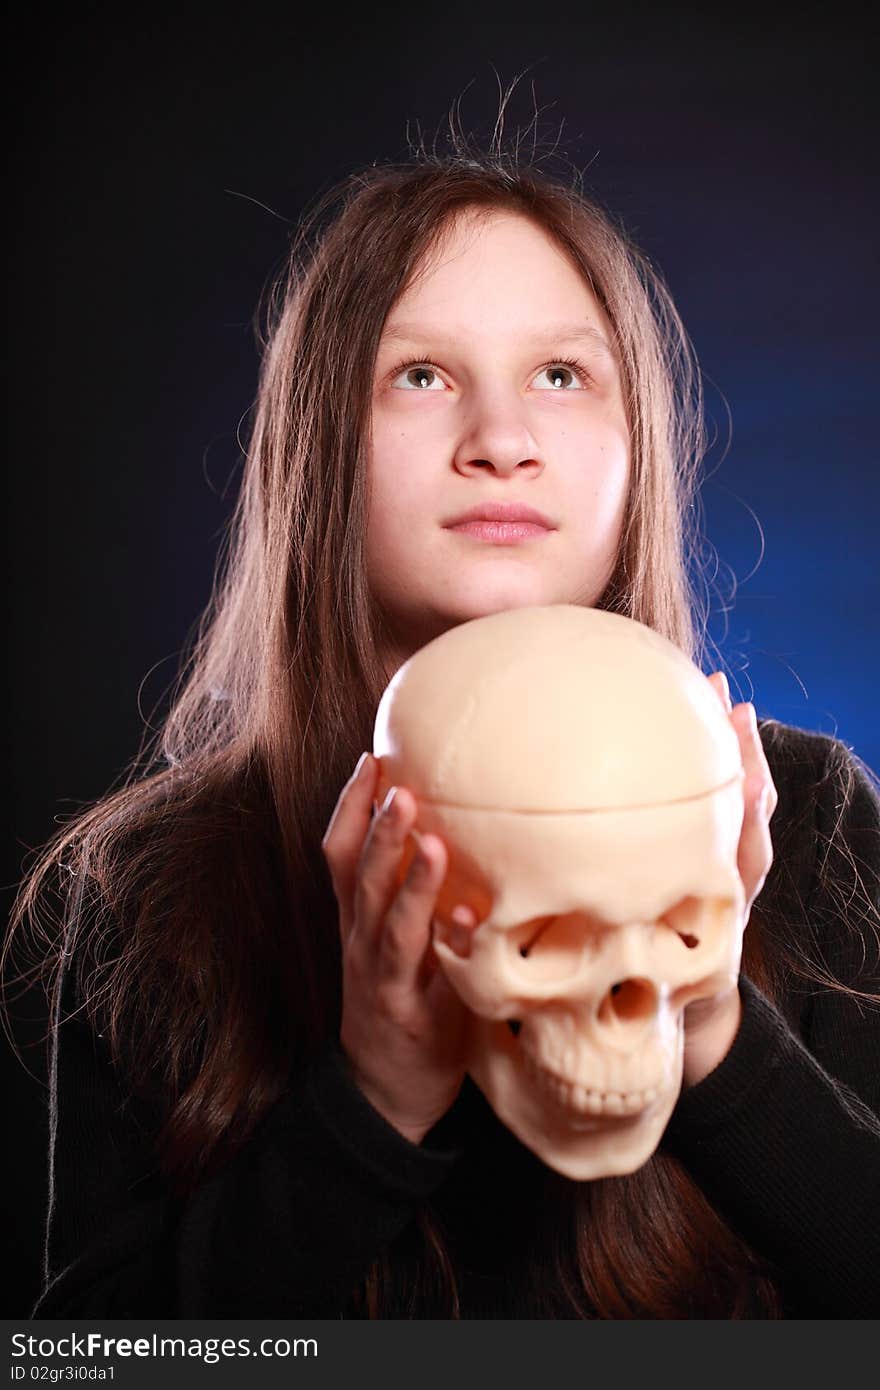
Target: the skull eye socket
(527, 933)
(554, 946)
(693, 917)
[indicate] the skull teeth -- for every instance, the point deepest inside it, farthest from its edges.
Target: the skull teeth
(584, 1099)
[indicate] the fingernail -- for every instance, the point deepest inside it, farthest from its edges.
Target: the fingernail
(361, 763)
(388, 803)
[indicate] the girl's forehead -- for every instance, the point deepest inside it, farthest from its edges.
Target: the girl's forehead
(480, 234)
(506, 262)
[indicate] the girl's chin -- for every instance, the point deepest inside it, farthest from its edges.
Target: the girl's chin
(489, 588)
(482, 605)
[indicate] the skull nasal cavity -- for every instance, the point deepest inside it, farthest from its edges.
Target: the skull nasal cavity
(629, 1001)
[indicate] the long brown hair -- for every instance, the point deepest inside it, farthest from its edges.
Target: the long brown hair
(192, 901)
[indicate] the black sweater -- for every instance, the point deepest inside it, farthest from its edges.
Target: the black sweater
(782, 1137)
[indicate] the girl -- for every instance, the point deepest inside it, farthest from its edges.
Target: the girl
(258, 1098)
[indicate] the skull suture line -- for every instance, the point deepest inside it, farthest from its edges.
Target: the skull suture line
(588, 786)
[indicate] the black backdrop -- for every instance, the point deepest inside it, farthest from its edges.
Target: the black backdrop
(159, 163)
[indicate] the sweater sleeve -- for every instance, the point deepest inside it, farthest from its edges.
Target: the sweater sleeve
(783, 1136)
(286, 1228)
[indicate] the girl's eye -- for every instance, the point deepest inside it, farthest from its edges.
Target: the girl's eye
(417, 375)
(563, 375)
(565, 367)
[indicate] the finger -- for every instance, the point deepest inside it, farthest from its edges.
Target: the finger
(377, 876)
(755, 853)
(718, 682)
(754, 759)
(457, 931)
(344, 837)
(464, 924)
(406, 931)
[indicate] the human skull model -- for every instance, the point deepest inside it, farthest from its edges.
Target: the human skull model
(588, 786)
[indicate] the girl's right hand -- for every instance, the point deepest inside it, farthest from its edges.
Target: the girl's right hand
(404, 1029)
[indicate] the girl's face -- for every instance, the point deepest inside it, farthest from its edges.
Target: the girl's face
(484, 411)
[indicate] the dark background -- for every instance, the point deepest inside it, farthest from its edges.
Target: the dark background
(160, 164)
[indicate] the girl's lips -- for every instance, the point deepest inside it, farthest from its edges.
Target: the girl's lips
(501, 532)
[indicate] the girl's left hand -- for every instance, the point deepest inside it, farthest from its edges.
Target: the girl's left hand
(712, 1024)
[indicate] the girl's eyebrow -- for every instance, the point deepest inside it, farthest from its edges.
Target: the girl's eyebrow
(556, 333)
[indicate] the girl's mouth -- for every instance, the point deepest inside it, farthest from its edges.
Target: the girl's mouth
(501, 532)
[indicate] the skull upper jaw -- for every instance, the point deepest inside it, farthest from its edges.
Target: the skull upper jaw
(578, 1145)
